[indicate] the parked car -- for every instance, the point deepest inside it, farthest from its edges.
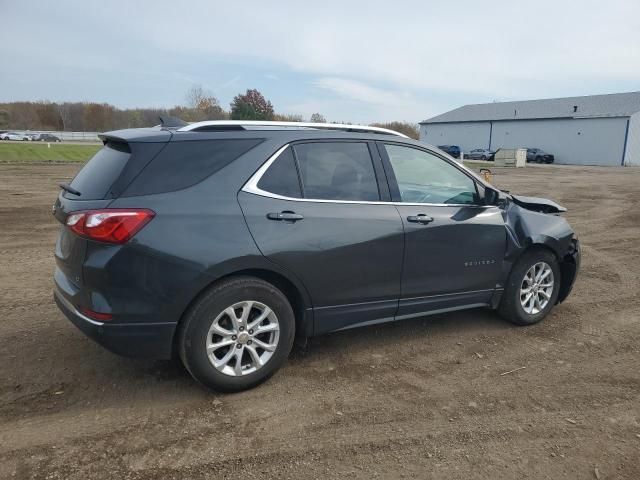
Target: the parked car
(481, 154)
(15, 136)
(47, 137)
(453, 150)
(539, 156)
(221, 242)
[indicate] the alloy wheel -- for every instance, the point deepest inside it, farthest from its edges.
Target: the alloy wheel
(243, 338)
(536, 288)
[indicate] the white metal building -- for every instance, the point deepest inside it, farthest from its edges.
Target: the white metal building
(590, 130)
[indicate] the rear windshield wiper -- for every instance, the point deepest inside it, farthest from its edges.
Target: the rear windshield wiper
(70, 189)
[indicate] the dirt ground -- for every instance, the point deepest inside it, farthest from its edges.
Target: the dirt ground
(417, 399)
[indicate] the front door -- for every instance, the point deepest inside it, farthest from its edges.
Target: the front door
(454, 245)
(313, 212)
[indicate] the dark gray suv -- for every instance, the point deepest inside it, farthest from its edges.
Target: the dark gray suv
(220, 242)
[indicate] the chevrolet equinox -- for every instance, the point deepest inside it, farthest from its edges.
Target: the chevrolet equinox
(221, 242)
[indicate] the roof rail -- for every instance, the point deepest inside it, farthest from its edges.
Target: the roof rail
(222, 125)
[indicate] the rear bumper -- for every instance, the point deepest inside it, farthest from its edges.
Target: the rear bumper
(140, 340)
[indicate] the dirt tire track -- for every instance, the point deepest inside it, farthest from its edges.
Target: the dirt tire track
(417, 399)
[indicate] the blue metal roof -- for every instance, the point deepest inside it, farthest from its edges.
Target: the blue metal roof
(610, 105)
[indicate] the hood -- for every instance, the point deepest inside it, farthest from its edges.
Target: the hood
(536, 204)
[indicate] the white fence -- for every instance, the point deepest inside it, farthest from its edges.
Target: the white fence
(71, 136)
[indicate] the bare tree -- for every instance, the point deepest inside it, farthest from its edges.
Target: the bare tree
(204, 106)
(318, 118)
(64, 110)
(409, 129)
(287, 117)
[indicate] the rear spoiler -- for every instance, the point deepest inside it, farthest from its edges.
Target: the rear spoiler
(138, 135)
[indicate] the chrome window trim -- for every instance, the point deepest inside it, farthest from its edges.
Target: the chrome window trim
(251, 186)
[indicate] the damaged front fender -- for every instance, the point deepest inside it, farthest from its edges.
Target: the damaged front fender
(532, 222)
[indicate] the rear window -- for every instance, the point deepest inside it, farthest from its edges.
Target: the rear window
(94, 180)
(182, 164)
(337, 171)
(282, 177)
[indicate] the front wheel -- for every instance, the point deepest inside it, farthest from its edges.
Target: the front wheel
(532, 288)
(237, 335)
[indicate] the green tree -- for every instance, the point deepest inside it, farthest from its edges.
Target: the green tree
(251, 106)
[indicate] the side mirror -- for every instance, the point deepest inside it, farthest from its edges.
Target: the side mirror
(491, 196)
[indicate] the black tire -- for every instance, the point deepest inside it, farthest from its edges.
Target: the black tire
(196, 323)
(510, 307)
(484, 157)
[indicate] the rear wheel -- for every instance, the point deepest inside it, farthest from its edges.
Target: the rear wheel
(532, 288)
(237, 335)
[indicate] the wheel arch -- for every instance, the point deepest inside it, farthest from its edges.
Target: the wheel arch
(566, 264)
(295, 292)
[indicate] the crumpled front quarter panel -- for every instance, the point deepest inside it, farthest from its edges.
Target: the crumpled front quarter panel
(526, 228)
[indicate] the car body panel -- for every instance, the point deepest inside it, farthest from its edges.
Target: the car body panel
(460, 251)
(537, 204)
(345, 254)
(351, 263)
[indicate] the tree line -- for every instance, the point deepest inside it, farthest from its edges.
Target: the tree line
(200, 104)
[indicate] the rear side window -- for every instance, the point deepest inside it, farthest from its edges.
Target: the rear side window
(282, 177)
(182, 164)
(98, 175)
(337, 171)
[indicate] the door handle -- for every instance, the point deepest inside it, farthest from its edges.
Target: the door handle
(285, 216)
(420, 218)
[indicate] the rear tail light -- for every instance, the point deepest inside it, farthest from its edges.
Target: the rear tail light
(110, 225)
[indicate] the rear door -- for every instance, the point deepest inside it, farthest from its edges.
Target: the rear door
(316, 210)
(454, 245)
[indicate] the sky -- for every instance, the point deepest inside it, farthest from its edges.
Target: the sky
(353, 61)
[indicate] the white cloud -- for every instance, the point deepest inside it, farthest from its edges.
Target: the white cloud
(486, 48)
(398, 58)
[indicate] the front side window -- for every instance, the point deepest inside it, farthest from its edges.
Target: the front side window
(425, 178)
(337, 171)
